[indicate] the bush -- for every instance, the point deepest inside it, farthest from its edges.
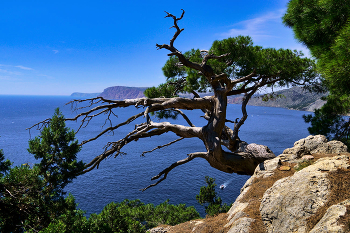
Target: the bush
(126, 216)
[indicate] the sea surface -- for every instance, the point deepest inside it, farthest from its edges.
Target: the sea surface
(122, 177)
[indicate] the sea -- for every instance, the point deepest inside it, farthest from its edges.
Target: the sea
(122, 177)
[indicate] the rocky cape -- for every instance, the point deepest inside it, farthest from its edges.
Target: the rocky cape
(293, 98)
(305, 189)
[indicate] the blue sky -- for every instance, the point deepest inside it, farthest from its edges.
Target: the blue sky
(61, 47)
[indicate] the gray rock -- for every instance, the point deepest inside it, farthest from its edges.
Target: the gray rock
(329, 222)
(307, 157)
(242, 225)
(291, 200)
(266, 168)
(159, 230)
(312, 145)
(259, 151)
(311, 142)
(331, 147)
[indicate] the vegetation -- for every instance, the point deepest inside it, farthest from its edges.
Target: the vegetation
(32, 197)
(208, 197)
(303, 164)
(324, 27)
(127, 216)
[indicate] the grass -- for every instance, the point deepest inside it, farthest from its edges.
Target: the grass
(303, 164)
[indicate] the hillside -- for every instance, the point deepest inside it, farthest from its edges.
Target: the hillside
(294, 98)
(122, 92)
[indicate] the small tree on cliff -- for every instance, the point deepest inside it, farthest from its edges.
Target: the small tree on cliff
(209, 197)
(232, 66)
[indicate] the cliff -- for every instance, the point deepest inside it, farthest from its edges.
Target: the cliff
(293, 98)
(121, 92)
(305, 189)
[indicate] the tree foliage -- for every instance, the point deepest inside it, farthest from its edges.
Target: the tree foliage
(4, 165)
(57, 149)
(32, 197)
(324, 27)
(210, 199)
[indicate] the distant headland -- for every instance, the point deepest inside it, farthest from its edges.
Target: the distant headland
(293, 98)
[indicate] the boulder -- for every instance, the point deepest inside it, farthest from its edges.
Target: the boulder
(313, 144)
(259, 151)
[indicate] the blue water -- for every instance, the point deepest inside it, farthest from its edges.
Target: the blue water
(122, 177)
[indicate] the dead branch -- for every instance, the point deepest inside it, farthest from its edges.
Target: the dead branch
(162, 146)
(172, 166)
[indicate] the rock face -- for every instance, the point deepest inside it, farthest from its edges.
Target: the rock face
(121, 92)
(329, 222)
(290, 201)
(286, 206)
(286, 203)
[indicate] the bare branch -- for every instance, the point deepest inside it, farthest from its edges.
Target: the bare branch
(159, 147)
(178, 30)
(172, 166)
(212, 56)
(185, 117)
(128, 121)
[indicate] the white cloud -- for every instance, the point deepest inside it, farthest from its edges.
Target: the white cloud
(24, 68)
(267, 31)
(257, 27)
(55, 51)
(8, 72)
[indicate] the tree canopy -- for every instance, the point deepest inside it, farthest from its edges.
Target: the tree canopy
(324, 27)
(233, 66)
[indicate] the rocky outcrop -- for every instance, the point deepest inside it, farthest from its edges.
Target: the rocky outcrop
(330, 221)
(286, 206)
(317, 144)
(290, 201)
(289, 198)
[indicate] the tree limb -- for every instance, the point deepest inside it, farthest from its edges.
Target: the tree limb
(172, 166)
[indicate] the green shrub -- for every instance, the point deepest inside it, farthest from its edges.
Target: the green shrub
(208, 197)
